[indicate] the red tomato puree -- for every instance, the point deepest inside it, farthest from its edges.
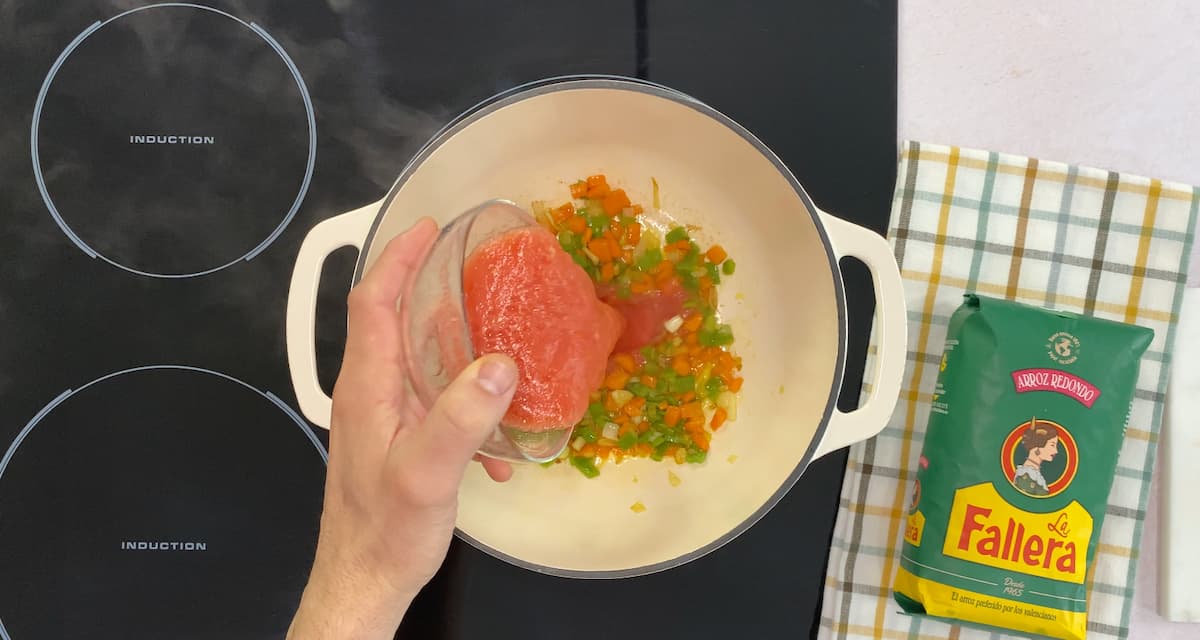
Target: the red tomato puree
(645, 314)
(526, 298)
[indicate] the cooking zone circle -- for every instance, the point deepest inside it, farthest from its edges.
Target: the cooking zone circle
(162, 501)
(173, 140)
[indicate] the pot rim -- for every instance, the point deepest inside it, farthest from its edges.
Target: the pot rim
(570, 82)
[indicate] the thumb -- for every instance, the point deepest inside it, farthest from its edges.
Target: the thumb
(462, 418)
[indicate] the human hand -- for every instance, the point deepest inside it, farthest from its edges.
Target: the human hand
(391, 491)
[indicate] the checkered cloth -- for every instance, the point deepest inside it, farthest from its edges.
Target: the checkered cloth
(1043, 233)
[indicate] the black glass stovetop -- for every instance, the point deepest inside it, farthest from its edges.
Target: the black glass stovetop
(159, 166)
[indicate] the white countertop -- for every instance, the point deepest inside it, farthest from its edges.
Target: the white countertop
(1107, 84)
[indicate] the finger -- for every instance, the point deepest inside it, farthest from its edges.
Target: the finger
(462, 418)
(371, 379)
(372, 303)
(499, 470)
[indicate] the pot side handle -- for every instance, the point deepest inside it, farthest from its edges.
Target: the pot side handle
(346, 230)
(891, 332)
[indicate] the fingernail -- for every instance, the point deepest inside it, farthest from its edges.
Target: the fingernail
(497, 377)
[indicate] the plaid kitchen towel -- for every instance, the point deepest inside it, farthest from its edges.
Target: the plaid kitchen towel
(1043, 233)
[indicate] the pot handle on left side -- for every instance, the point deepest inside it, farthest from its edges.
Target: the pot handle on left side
(349, 229)
(891, 332)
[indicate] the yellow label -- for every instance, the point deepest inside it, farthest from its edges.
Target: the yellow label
(960, 604)
(914, 527)
(985, 529)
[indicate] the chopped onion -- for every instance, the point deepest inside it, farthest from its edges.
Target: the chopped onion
(612, 430)
(680, 455)
(621, 396)
(728, 401)
(673, 324)
(578, 443)
(636, 419)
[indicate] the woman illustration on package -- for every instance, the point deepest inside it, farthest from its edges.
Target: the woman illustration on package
(1040, 440)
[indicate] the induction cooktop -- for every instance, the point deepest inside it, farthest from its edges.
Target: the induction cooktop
(164, 499)
(160, 164)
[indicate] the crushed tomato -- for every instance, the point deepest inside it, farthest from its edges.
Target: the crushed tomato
(673, 379)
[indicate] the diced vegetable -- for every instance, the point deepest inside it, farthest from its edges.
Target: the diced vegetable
(586, 466)
(621, 396)
(661, 401)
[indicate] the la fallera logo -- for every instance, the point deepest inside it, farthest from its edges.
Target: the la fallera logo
(1039, 458)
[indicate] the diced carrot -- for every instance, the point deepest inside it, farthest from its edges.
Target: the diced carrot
(588, 450)
(633, 234)
(576, 224)
(702, 440)
(597, 187)
(615, 202)
(719, 418)
(640, 286)
(643, 449)
(706, 285)
(650, 381)
(688, 397)
(634, 407)
(616, 380)
(692, 324)
(693, 410)
(564, 212)
(716, 254)
(614, 248)
(637, 210)
(627, 256)
(599, 248)
(625, 361)
(579, 189)
(691, 339)
(610, 405)
(603, 450)
(735, 385)
(672, 415)
(587, 235)
(680, 365)
(670, 451)
(606, 272)
(694, 353)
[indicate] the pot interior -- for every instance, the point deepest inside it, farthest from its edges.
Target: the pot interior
(783, 303)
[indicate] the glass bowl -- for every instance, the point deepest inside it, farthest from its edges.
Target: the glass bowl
(437, 338)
